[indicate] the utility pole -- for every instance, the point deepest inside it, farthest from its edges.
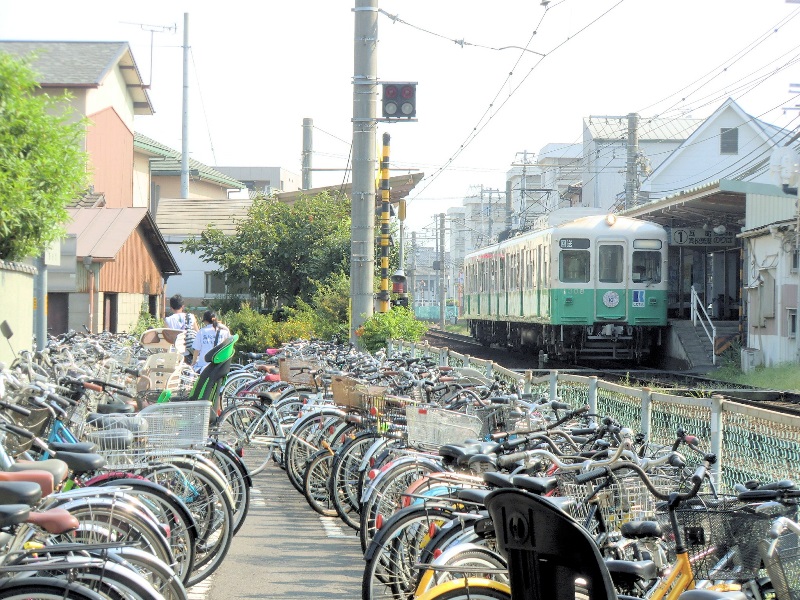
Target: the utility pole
(412, 271)
(509, 208)
(308, 145)
(631, 175)
(185, 112)
(442, 286)
(362, 229)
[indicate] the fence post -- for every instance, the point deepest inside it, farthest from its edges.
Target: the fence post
(717, 407)
(444, 354)
(388, 346)
(647, 413)
(593, 399)
(526, 381)
(553, 385)
(490, 370)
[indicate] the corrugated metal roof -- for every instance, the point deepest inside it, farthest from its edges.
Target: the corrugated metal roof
(101, 233)
(167, 162)
(179, 216)
(616, 128)
(82, 64)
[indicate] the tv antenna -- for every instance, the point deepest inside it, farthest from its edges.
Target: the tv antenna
(153, 29)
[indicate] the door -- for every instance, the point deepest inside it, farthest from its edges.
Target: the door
(610, 299)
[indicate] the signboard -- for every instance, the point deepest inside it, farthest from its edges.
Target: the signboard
(52, 254)
(697, 236)
(573, 243)
(638, 298)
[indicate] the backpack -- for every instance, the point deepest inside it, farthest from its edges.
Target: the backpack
(190, 332)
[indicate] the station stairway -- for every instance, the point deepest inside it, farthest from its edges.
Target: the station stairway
(696, 346)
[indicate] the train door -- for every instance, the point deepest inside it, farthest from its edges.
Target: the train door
(610, 302)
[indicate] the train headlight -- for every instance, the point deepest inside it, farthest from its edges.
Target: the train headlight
(611, 219)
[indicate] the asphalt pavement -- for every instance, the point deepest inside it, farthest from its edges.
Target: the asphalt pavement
(285, 550)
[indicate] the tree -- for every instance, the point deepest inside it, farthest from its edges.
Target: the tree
(42, 167)
(283, 249)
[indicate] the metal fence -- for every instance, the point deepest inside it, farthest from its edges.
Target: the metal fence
(750, 443)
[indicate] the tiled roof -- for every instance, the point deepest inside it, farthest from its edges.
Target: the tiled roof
(616, 128)
(166, 162)
(89, 200)
(182, 217)
(82, 64)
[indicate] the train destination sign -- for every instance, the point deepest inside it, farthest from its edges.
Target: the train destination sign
(573, 243)
(697, 236)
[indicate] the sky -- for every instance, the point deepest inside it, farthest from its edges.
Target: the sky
(495, 79)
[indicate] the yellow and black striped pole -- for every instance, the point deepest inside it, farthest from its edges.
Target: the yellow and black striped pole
(383, 295)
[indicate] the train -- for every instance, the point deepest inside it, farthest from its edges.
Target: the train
(592, 287)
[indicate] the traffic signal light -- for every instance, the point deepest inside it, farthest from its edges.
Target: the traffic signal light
(399, 100)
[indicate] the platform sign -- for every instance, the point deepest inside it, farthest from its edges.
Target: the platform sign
(697, 236)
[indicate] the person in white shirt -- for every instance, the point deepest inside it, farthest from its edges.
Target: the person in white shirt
(211, 334)
(180, 319)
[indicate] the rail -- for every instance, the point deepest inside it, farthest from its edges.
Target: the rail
(751, 442)
(699, 314)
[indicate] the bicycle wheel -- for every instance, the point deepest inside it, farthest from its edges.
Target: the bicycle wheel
(170, 511)
(473, 560)
(112, 581)
(236, 474)
(158, 574)
(209, 504)
(44, 588)
(304, 440)
(344, 477)
(390, 572)
(244, 427)
(315, 483)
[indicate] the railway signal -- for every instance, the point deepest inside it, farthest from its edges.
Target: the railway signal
(399, 101)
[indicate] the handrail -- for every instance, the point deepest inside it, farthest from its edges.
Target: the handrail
(698, 315)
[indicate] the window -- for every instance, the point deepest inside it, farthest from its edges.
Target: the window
(646, 266)
(792, 324)
(729, 141)
(574, 266)
(611, 260)
(794, 261)
(215, 283)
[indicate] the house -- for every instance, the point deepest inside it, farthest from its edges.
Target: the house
(263, 180)
(113, 262)
(729, 144)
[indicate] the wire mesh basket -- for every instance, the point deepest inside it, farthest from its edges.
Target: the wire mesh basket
(498, 417)
(782, 560)
(618, 499)
(430, 427)
(298, 372)
(722, 536)
(177, 424)
(37, 422)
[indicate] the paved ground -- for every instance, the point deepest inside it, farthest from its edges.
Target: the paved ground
(286, 550)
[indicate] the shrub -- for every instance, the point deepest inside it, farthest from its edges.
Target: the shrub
(398, 323)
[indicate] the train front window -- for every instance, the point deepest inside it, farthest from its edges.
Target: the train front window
(574, 266)
(611, 260)
(646, 266)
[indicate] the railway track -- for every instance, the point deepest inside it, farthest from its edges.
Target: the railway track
(677, 382)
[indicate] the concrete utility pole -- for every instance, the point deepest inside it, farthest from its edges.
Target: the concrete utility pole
(509, 207)
(412, 271)
(185, 113)
(631, 173)
(362, 229)
(308, 145)
(442, 282)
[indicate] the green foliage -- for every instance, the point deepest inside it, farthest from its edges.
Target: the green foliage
(145, 321)
(398, 324)
(258, 332)
(42, 167)
(283, 249)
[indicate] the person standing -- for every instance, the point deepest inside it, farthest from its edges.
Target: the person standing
(180, 319)
(211, 334)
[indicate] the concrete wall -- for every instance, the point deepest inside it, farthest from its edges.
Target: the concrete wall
(129, 306)
(16, 307)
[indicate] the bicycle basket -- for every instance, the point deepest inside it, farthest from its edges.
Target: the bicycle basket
(349, 392)
(782, 559)
(430, 427)
(177, 424)
(37, 422)
(721, 535)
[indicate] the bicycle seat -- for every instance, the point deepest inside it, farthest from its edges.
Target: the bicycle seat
(55, 520)
(81, 463)
(20, 492)
(57, 468)
(84, 447)
(44, 479)
(535, 485)
(13, 514)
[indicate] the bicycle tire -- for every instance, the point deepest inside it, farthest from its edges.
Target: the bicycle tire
(469, 589)
(466, 556)
(111, 580)
(157, 573)
(315, 483)
(389, 572)
(240, 426)
(344, 489)
(236, 474)
(44, 588)
(170, 510)
(304, 439)
(210, 505)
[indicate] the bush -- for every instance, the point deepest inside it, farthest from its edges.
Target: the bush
(398, 323)
(146, 321)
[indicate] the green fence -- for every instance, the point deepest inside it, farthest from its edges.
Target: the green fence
(750, 443)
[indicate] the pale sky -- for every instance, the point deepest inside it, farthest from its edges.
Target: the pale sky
(259, 68)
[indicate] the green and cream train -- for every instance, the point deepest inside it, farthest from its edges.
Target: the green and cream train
(592, 287)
